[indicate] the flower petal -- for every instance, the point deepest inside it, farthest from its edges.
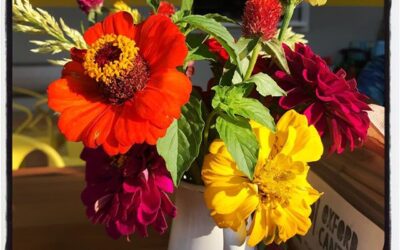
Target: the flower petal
(120, 23)
(161, 43)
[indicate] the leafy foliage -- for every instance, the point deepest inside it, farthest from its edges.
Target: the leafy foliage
(265, 85)
(240, 141)
(232, 101)
(274, 48)
(181, 145)
(187, 5)
(153, 4)
(217, 30)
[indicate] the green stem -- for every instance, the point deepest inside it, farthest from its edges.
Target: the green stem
(207, 129)
(253, 61)
(289, 10)
(195, 173)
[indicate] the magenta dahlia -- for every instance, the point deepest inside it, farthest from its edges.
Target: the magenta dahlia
(261, 18)
(127, 193)
(330, 101)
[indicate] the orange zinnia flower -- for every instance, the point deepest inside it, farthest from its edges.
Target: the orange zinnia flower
(125, 88)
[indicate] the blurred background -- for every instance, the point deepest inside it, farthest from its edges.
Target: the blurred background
(346, 33)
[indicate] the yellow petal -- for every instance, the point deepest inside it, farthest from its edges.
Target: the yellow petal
(218, 147)
(308, 146)
(266, 139)
(258, 227)
(317, 2)
(287, 227)
(293, 119)
(227, 221)
(227, 200)
(297, 139)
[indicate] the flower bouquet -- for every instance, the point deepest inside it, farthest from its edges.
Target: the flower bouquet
(126, 93)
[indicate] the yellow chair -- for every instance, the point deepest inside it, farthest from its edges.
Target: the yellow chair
(72, 158)
(24, 145)
(40, 126)
(42, 132)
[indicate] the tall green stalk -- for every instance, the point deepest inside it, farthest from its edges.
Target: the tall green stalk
(289, 10)
(253, 61)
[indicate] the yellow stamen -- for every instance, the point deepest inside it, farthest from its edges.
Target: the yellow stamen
(111, 69)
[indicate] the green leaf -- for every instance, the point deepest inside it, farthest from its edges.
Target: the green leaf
(274, 48)
(177, 16)
(254, 110)
(217, 30)
(225, 95)
(220, 18)
(187, 5)
(153, 4)
(181, 145)
(197, 49)
(200, 53)
(231, 100)
(240, 141)
(265, 85)
(246, 46)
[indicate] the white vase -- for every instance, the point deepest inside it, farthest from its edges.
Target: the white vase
(194, 229)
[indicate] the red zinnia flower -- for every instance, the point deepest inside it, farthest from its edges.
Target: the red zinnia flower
(329, 101)
(261, 18)
(166, 8)
(128, 193)
(125, 88)
(216, 48)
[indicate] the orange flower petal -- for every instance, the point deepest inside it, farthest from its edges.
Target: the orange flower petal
(70, 92)
(76, 119)
(128, 128)
(148, 103)
(97, 133)
(161, 43)
(113, 147)
(175, 87)
(154, 134)
(120, 23)
(73, 69)
(93, 33)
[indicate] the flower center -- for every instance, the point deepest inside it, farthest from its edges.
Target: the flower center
(275, 184)
(109, 53)
(114, 61)
(109, 57)
(123, 88)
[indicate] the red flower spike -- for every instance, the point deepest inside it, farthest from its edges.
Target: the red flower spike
(261, 18)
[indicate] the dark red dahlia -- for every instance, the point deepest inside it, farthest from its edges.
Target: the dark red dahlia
(330, 102)
(261, 17)
(127, 193)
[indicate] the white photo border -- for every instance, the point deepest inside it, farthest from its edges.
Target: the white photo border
(394, 140)
(3, 125)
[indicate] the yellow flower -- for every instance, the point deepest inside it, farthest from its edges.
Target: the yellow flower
(316, 2)
(122, 6)
(279, 196)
